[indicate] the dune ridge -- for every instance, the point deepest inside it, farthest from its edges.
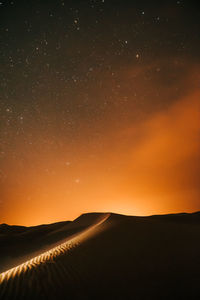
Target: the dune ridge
(51, 254)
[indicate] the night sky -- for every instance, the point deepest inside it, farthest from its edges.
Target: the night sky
(99, 108)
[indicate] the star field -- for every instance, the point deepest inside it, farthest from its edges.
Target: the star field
(75, 73)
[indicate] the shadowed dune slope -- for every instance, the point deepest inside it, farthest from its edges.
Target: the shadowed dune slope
(110, 256)
(19, 242)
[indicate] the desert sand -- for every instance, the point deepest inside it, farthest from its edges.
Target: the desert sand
(102, 256)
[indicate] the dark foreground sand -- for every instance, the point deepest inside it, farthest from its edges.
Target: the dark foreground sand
(103, 256)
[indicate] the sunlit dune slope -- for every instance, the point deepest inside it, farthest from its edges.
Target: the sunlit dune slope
(112, 256)
(20, 243)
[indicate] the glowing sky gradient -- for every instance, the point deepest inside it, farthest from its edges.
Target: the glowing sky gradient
(100, 109)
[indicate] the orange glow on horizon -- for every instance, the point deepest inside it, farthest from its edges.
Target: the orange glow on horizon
(147, 167)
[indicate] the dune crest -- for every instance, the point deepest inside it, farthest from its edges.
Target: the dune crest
(51, 254)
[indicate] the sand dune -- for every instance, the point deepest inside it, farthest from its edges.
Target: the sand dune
(110, 256)
(14, 275)
(51, 254)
